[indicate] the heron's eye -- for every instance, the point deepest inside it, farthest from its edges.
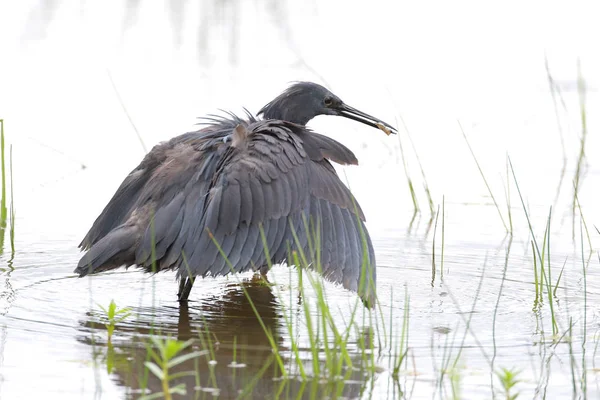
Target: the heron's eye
(328, 101)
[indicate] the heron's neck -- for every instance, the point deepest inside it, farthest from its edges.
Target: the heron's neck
(287, 112)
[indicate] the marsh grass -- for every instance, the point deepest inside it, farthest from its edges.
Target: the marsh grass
(541, 258)
(467, 322)
(443, 237)
(433, 248)
(584, 267)
(12, 207)
(498, 299)
(580, 166)
(124, 107)
(585, 227)
(5, 216)
(487, 185)
(400, 351)
(450, 368)
(508, 198)
(423, 176)
(546, 289)
(3, 209)
(409, 181)
(556, 96)
(433, 267)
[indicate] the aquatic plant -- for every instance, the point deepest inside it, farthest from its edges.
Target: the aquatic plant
(164, 354)
(114, 315)
(508, 380)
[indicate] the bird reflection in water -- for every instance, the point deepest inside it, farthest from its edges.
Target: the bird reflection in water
(227, 326)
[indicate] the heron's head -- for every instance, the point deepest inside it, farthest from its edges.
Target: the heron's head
(303, 101)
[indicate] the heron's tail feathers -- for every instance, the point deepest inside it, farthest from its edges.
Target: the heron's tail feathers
(112, 251)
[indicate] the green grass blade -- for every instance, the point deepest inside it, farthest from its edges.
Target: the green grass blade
(484, 178)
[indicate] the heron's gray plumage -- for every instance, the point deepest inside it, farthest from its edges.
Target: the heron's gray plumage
(198, 184)
(225, 183)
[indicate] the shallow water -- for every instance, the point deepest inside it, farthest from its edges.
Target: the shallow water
(468, 318)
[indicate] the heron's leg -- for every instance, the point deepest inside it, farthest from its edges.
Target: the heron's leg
(260, 276)
(181, 286)
(185, 287)
(264, 270)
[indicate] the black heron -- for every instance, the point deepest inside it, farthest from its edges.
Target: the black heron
(230, 180)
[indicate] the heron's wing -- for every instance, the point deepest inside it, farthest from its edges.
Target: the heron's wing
(277, 179)
(135, 189)
(147, 201)
(268, 176)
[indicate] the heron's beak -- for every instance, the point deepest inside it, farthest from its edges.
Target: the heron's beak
(352, 113)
